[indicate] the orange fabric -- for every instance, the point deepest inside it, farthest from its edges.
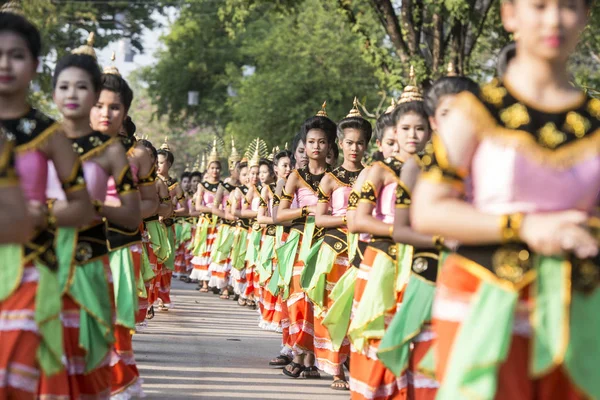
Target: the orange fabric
(300, 311)
(419, 385)
(164, 289)
(124, 372)
(154, 284)
(513, 379)
(180, 259)
(250, 280)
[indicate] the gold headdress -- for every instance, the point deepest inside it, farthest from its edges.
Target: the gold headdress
(13, 7)
(392, 107)
(203, 163)
(88, 47)
(111, 69)
(258, 149)
(165, 145)
(286, 146)
(323, 112)
(274, 152)
(450, 70)
(355, 111)
(234, 156)
(196, 166)
(187, 167)
(411, 91)
(214, 154)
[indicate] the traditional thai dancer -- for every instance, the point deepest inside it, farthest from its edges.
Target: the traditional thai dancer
(183, 230)
(318, 134)
(31, 340)
(354, 134)
(238, 252)
(514, 312)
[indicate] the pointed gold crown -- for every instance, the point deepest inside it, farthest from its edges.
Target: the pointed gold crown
(165, 145)
(196, 164)
(203, 164)
(411, 91)
(234, 156)
(214, 154)
(187, 167)
(323, 111)
(274, 152)
(112, 69)
(286, 146)
(355, 111)
(12, 7)
(88, 47)
(450, 70)
(258, 149)
(392, 106)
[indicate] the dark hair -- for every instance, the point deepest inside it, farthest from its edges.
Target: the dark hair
(196, 173)
(282, 154)
(115, 83)
(81, 61)
(321, 123)
(448, 85)
(22, 27)
(359, 123)
(129, 126)
(383, 122)
(184, 175)
(269, 165)
(243, 165)
(336, 151)
(168, 154)
(149, 146)
(506, 54)
(417, 107)
(295, 143)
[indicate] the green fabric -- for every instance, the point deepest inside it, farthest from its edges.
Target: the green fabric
(279, 235)
(159, 240)
(307, 236)
(225, 244)
(310, 264)
(316, 287)
(337, 319)
(273, 285)
(178, 228)
(583, 352)
(12, 269)
(264, 266)
(427, 364)
(404, 260)
(146, 269)
(415, 310)
(353, 239)
(47, 317)
(199, 242)
(183, 232)
(549, 320)
(253, 247)
(125, 288)
(170, 261)
(65, 243)
(481, 345)
(286, 254)
(240, 245)
(378, 298)
(90, 291)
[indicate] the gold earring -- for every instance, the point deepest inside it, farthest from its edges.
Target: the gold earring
(516, 36)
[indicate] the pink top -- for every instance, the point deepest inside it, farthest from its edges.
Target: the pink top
(386, 204)
(32, 167)
(255, 203)
(96, 181)
(339, 201)
(111, 192)
(208, 198)
(306, 197)
(524, 185)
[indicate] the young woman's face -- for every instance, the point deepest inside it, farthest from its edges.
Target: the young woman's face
(163, 165)
(194, 183)
(74, 93)
(253, 176)
(300, 155)
(546, 29)
(185, 184)
(441, 112)
(353, 145)
(412, 133)
(214, 170)
(244, 175)
(283, 168)
(316, 145)
(108, 114)
(264, 174)
(17, 64)
(388, 145)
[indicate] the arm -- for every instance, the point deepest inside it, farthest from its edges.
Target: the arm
(216, 208)
(78, 209)
(246, 211)
(18, 226)
(285, 213)
(263, 211)
(129, 213)
(322, 217)
(351, 213)
(278, 191)
(403, 233)
(179, 200)
(149, 204)
(365, 222)
(165, 207)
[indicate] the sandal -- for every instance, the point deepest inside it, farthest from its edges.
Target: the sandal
(295, 367)
(236, 297)
(224, 296)
(241, 302)
(215, 290)
(280, 361)
(340, 384)
(251, 305)
(311, 373)
(203, 290)
(150, 313)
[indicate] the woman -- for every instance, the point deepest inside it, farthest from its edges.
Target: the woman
(34, 345)
(379, 285)
(354, 134)
(318, 133)
(523, 241)
(238, 251)
(205, 198)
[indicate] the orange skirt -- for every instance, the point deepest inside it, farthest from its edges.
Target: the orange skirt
(164, 288)
(456, 290)
(124, 372)
(369, 378)
(300, 309)
(180, 259)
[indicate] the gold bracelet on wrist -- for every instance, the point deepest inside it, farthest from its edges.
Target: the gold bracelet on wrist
(344, 220)
(304, 211)
(98, 206)
(50, 217)
(511, 227)
(391, 231)
(438, 243)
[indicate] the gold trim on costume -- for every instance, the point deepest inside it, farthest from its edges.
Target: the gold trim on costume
(36, 143)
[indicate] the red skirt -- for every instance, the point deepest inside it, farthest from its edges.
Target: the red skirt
(300, 309)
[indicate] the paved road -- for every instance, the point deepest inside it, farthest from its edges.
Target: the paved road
(210, 348)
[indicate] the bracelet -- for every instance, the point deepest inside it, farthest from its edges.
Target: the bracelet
(511, 227)
(98, 206)
(391, 231)
(344, 220)
(438, 243)
(50, 217)
(304, 211)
